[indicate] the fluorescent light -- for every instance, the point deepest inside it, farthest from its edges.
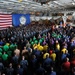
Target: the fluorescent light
(9, 8)
(57, 3)
(22, 6)
(33, 7)
(73, 3)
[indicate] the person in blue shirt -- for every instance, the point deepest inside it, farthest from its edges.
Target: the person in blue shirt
(10, 70)
(19, 70)
(47, 63)
(52, 72)
(24, 64)
(15, 60)
(63, 56)
(40, 70)
(1, 42)
(33, 64)
(1, 66)
(37, 53)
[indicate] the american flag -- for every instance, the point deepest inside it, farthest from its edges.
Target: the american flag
(5, 21)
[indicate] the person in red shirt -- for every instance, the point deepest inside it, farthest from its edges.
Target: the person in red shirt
(66, 66)
(73, 62)
(73, 71)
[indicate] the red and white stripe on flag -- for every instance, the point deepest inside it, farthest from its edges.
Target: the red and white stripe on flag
(5, 21)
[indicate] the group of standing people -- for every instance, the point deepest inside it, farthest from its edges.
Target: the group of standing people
(50, 51)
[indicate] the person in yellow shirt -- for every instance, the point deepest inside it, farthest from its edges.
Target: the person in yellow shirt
(34, 46)
(64, 50)
(57, 45)
(44, 56)
(53, 56)
(45, 47)
(39, 47)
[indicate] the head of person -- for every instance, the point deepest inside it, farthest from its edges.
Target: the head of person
(73, 70)
(24, 47)
(10, 65)
(57, 42)
(47, 56)
(34, 56)
(23, 57)
(52, 69)
(53, 51)
(67, 59)
(19, 65)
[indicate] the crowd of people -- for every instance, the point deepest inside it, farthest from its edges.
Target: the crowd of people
(37, 50)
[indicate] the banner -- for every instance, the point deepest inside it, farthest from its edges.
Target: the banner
(20, 19)
(5, 21)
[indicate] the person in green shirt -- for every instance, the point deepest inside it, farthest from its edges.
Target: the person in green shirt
(40, 41)
(9, 53)
(5, 48)
(32, 43)
(30, 40)
(58, 36)
(15, 45)
(36, 41)
(1, 50)
(11, 47)
(5, 59)
(5, 56)
(54, 34)
(34, 38)
(44, 35)
(0, 54)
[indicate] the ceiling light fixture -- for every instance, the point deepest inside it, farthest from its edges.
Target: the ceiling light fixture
(20, 0)
(73, 3)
